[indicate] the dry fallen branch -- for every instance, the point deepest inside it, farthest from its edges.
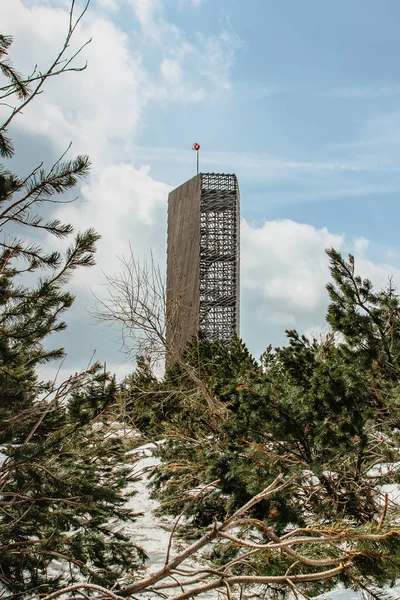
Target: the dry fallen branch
(193, 581)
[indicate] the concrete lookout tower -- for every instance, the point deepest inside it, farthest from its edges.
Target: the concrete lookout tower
(203, 264)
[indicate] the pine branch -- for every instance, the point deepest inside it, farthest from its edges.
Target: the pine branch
(19, 87)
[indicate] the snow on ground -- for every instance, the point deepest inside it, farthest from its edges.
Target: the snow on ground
(382, 469)
(393, 492)
(150, 532)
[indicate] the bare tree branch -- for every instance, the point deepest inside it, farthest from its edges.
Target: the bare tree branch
(58, 66)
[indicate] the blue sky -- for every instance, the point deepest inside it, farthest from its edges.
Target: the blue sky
(300, 99)
(312, 82)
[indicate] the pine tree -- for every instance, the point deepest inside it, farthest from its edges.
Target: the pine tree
(322, 411)
(61, 480)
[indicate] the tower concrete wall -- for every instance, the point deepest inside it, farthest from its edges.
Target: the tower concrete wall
(183, 263)
(203, 267)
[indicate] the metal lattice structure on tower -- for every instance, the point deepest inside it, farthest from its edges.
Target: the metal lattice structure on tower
(203, 260)
(219, 256)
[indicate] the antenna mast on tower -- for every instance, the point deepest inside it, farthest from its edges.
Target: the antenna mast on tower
(196, 147)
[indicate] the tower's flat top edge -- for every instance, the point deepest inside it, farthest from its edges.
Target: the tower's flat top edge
(209, 176)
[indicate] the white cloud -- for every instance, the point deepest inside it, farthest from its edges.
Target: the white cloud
(284, 264)
(366, 91)
(217, 58)
(284, 271)
(171, 70)
(50, 373)
(361, 246)
(284, 268)
(128, 207)
(377, 144)
(269, 164)
(194, 68)
(102, 111)
(147, 12)
(195, 3)
(292, 181)
(108, 5)
(97, 109)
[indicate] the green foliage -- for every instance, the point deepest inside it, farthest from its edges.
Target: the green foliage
(62, 473)
(325, 412)
(62, 490)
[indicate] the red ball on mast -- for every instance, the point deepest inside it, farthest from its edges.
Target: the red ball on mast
(196, 147)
